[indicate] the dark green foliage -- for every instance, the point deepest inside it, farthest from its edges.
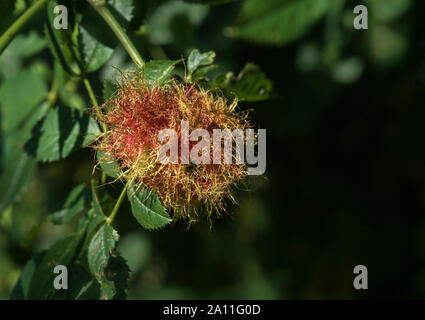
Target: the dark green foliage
(62, 252)
(251, 84)
(279, 22)
(76, 203)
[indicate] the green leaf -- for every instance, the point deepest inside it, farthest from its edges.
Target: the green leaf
(278, 22)
(197, 59)
(62, 42)
(251, 84)
(19, 95)
(61, 132)
(25, 45)
(98, 44)
(158, 71)
(75, 203)
(101, 258)
(61, 253)
(90, 221)
(67, 92)
(82, 285)
(114, 285)
(89, 225)
(109, 89)
(16, 166)
(17, 171)
(108, 164)
(20, 291)
(123, 9)
(96, 53)
(96, 203)
(202, 71)
(174, 22)
(100, 249)
(147, 208)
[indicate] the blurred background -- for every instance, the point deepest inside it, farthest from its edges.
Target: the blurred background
(345, 178)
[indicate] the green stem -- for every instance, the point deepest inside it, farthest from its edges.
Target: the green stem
(118, 30)
(10, 33)
(114, 212)
(95, 103)
(98, 113)
(52, 96)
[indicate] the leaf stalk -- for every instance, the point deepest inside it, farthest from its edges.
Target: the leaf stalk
(114, 212)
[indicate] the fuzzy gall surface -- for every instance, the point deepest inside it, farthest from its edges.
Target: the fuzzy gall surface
(134, 117)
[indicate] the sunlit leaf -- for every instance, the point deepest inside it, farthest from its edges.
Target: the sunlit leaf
(147, 208)
(100, 249)
(17, 167)
(158, 71)
(62, 42)
(98, 44)
(197, 59)
(19, 95)
(110, 270)
(61, 132)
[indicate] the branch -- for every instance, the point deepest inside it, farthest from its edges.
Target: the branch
(100, 7)
(10, 33)
(111, 217)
